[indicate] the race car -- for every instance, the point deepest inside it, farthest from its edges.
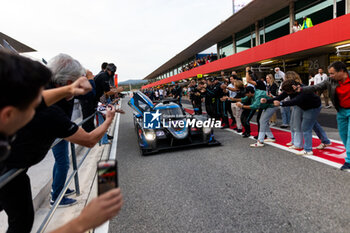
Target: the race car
(166, 125)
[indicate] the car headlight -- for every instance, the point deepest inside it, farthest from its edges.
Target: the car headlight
(206, 130)
(150, 135)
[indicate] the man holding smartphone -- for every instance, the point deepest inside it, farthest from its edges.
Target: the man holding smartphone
(19, 73)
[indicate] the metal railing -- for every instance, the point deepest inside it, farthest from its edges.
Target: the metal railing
(11, 174)
(69, 181)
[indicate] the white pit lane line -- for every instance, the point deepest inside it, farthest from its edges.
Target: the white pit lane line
(104, 228)
(312, 157)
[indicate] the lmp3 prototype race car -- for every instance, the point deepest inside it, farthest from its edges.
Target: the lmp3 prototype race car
(166, 125)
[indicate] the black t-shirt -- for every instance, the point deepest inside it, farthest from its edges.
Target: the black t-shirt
(260, 85)
(35, 139)
(66, 106)
(102, 84)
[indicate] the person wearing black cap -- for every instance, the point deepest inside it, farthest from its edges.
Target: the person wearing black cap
(218, 94)
(102, 82)
(210, 98)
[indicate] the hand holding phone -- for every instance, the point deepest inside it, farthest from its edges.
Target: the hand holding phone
(107, 172)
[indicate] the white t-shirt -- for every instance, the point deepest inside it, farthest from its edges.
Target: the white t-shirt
(320, 78)
(160, 91)
(279, 75)
(232, 93)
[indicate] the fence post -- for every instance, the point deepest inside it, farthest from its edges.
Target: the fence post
(75, 168)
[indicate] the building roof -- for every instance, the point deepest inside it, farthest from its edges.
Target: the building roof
(20, 47)
(303, 44)
(254, 11)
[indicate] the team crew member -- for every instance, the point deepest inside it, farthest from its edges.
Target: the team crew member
(217, 94)
(223, 96)
(191, 88)
(210, 98)
(232, 94)
(269, 110)
(236, 111)
(338, 87)
(177, 92)
(197, 98)
(257, 83)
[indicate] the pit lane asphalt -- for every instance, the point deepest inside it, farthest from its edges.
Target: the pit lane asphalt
(230, 188)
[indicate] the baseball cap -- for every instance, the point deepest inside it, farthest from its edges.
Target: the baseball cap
(111, 67)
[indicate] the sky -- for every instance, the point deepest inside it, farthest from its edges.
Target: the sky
(136, 35)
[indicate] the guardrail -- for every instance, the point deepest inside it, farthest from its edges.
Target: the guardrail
(70, 179)
(11, 174)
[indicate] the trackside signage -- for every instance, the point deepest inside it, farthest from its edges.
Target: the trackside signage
(153, 120)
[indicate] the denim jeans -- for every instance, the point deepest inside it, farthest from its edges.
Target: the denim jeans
(264, 124)
(295, 127)
(321, 134)
(104, 139)
(307, 124)
(61, 167)
(285, 112)
(343, 119)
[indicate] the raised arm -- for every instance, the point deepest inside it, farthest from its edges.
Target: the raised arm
(80, 87)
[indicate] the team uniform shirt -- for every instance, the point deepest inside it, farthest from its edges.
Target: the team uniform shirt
(34, 140)
(343, 93)
(197, 95)
(255, 104)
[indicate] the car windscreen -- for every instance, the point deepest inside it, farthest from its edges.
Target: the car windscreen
(171, 112)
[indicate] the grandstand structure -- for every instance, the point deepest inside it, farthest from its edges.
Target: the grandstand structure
(260, 35)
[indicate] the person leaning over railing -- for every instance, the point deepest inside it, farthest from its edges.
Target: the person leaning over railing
(338, 86)
(22, 81)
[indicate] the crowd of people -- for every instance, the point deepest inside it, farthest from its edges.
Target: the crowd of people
(36, 106)
(40, 111)
(229, 98)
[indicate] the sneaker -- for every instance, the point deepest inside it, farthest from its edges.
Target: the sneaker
(294, 147)
(327, 106)
(270, 140)
(289, 144)
(303, 152)
(256, 137)
(239, 131)
(284, 126)
(65, 202)
(322, 146)
(69, 192)
(257, 144)
(235, 129)
(109, 137)
(245, 135)
(345, 167)
(273, 124)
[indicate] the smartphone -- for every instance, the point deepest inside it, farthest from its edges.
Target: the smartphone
(107, 171)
